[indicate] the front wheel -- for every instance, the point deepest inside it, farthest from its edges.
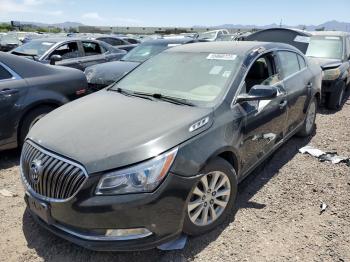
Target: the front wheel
(212, 198)
(336, 98)
(309, 122)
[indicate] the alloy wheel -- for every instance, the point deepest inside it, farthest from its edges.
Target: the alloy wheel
(209, 198)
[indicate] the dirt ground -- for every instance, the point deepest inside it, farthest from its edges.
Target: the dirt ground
(277, 217)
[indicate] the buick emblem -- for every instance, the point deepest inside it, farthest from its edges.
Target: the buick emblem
(35, 170)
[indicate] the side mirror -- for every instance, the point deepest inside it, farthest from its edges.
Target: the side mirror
(54, 59)
(258, 92)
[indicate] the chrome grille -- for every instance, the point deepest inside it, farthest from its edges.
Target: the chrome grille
(50, 176)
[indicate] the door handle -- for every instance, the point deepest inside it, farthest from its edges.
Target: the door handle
(283, 104)
(9, 91)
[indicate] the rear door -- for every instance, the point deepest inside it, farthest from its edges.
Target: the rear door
(297, 81)
(70, 53)
(93, 54)
(12, 89)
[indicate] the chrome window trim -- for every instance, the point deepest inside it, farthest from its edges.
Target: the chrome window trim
(275, 50)
(30, 189)
(15, 76)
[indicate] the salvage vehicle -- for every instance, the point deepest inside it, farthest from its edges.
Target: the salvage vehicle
(71, 52)
(214, 35)
(28, 91)
(331, 50)
(176, 136)
(102, 75)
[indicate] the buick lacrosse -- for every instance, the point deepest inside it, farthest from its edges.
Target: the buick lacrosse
(162, 151)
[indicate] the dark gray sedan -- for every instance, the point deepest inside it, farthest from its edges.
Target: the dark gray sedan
(162, 150)
(76, 53)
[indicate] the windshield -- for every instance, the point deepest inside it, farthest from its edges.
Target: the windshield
(325, 47)
(34, 47)
(144, 51)
(197, 77)
(207, 35)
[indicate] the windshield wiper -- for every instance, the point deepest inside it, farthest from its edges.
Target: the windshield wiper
(128, 93)
(170, 99)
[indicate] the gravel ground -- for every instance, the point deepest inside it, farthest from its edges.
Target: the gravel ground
(277, 217)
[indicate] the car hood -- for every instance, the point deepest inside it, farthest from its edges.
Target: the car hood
(107, 73)
(326, 63)
(109, 130)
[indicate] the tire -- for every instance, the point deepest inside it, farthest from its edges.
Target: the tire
(224, 173)
(309, 122)
(30, 119)
(336, 98)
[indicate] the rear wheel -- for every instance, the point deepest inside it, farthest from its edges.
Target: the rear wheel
(30, 120)
(212, 199)
(309, 122)
(336, 98)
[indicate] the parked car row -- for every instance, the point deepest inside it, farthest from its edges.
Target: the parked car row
(174, 127)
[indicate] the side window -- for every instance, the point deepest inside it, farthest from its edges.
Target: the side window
(262, 72)
(4, 74)
(302, 62)
(67, 51)
(289, 63)
(91, 48)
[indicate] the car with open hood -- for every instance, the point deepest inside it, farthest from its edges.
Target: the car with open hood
(28, 91)
(102, 75)
(162, 151)
(331, 50)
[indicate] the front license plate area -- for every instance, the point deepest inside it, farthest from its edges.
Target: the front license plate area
(39, 208)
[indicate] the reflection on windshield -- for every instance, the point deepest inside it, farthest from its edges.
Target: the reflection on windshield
(325, 47)
(34, 47)
(142, 52)
(196, 77)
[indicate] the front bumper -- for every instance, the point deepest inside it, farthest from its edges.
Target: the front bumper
(161, 212)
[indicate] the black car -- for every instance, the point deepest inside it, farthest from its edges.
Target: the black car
(28, 91)
(119, 42)
(102, 75)
(71, 52)
(162, 150)
(331, 50)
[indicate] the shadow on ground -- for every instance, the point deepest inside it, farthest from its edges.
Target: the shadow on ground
(51, 248)
(9, 158)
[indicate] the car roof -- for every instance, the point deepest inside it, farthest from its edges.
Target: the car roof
(20, 65)
(330, 33)
(165, 41)
(62, 39)
(228, 47)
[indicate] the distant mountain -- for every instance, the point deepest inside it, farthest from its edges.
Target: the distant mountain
(60, 25)
(330, 25)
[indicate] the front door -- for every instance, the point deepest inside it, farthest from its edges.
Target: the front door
(265, 120)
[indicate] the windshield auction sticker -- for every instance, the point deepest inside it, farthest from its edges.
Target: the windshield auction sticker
(222, 57)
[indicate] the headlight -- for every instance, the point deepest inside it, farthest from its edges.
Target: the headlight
(331, 74)
(144, 177)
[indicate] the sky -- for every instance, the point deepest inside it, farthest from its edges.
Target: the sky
(176, 12)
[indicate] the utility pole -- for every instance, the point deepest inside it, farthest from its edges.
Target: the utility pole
(281, 23)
